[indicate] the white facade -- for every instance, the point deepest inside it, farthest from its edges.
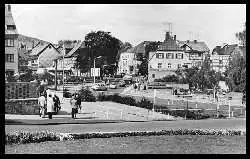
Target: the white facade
(168, 60)
(127, 63)
(219, 62)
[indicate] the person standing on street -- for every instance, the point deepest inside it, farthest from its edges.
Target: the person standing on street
(73, 106)
(42, 104)
(78, 102)
(56, 101)
(50, 106)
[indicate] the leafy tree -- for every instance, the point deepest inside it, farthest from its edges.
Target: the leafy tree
(236, 74)
(152, 46)
(101, 43)
(98, 43)
(143, 67)
(241, 36)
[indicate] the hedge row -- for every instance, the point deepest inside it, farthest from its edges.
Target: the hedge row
(36, 137)
(144, 103)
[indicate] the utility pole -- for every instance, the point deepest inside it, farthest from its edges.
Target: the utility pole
(64, 51)
(56, 74)
(94, 70)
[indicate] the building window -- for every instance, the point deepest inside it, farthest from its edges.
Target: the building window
(170, 56)
(9, 57)
(11, 27)
(159, 65)
(179, 56)
(169, 65)
(153, 75)
(9, 42)
(220, 61)
(160, 55)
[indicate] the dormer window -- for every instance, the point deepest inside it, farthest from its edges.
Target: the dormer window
(11, 27)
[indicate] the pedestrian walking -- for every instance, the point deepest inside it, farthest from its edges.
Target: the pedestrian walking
(73, 106)
(78, 102)
(42, 104)
(50, 106)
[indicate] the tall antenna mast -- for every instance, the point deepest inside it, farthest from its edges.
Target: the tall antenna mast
(169, 24)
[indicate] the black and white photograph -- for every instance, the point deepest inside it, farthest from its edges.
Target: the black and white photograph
(125, 79)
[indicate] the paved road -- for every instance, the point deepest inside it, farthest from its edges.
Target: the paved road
(134, 126)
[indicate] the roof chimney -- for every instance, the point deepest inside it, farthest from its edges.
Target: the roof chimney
(174, 37)
(195, 41)
(167, 36)
(187, 41)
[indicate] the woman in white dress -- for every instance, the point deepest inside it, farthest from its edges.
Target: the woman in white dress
(50, 106)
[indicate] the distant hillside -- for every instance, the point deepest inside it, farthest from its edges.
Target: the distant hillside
(29, 42)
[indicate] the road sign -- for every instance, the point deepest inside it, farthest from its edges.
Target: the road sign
(95, 72)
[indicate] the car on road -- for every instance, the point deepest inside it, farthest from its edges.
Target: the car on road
(122, 84)
(99, 87)
(113, 85)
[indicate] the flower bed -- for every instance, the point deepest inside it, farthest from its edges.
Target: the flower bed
(36, 137)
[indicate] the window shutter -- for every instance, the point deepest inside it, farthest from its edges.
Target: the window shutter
(176, 56)
(163, 55)
(182, 56)
(172, 55)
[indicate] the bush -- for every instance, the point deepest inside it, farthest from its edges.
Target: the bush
(75, 79)
(103, 97)
(169, 78)
(86, 95)
(128, 100)
(144, 103)
(66, 93)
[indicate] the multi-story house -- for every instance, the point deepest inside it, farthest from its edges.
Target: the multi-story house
(130, 59)
(43, 56)
(11, 47)
(196, 50)
(127, 63)
(67, 63)
(168, 58)
(220, 56)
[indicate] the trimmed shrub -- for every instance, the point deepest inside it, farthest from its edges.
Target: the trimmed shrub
(86, 95)
(66, 93)
(144, 103)
(128, 100)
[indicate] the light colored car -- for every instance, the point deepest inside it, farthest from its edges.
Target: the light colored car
(113, 86)
(99, 87)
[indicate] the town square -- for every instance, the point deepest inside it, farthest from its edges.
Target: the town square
(125, 78)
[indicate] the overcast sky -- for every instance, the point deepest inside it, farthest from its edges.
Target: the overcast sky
(134, 23)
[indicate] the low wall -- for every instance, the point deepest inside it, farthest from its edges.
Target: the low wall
(20, 90)
(22, 106)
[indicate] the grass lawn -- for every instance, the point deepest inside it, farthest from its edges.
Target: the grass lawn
(185, 144)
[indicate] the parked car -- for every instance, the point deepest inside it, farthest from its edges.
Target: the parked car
(99, 87)
(122, 84)
(112, 86)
